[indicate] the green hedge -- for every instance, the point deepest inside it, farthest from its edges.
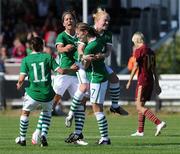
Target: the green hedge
(168, 57)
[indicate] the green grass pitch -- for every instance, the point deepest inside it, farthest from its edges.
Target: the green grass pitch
(120, 129)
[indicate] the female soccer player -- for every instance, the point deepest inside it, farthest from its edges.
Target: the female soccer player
(37, 66)
(97, 75)
(66, 44)
(101, 20)
(101, 23)
(147, 76)
(66, 47)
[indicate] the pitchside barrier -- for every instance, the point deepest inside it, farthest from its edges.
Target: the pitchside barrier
(170, 85)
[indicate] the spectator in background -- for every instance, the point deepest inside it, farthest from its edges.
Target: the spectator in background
(1, 39)
(3, 53)
(59, 7)
(50, 30)
(30, 15)
(2, 86)
(19, 50)
(43, 7)
(8, 32)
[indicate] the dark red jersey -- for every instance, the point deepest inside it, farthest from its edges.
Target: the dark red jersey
(145, 58)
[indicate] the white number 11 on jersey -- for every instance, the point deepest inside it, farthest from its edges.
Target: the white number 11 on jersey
(36, 73)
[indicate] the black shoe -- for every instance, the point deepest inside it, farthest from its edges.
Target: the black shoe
(104, 142)
(74, 137)
(43, 141)
(119, 110)
(18, 141)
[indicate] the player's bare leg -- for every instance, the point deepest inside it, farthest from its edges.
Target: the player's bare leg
(56, 104)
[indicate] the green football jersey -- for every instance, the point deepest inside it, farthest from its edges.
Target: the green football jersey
(96, 72)
(66, 59)
(106, 38)
(38, 66)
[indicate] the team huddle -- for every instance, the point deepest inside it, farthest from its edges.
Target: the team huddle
(81, 71)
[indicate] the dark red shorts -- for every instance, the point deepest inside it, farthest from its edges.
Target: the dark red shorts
(143, 92)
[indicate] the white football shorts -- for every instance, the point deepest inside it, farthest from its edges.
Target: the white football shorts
(98, 92)
(61, 83)
(29, 104)
(81, 74)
